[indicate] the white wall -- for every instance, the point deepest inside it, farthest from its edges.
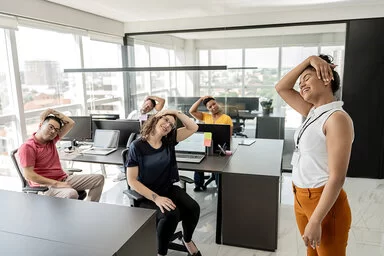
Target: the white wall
(54, 13)
(322, 13)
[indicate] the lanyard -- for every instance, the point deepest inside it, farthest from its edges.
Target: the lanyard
(305, 127)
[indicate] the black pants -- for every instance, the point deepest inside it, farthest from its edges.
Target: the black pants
(187, 210)
(199, 179)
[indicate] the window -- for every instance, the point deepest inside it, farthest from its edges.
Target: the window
(43, 55)
(9, 134)
(103, 90)
(226, 82)
(260, 82)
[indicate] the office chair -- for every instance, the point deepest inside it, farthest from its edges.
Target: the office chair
(136, 198)
(238, 123)
(28, 189)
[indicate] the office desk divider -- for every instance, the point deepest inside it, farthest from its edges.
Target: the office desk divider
(221, 135)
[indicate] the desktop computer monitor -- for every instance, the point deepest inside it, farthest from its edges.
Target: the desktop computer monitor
(105, 116)
(241, 103)
(221, 134)
(125, 126)
(82, 131)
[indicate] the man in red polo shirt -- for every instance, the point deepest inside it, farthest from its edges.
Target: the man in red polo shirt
(41, 164)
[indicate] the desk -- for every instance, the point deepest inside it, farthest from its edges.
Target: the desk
(251, 169)
(38, 225)
(112, 158)
(250, 195)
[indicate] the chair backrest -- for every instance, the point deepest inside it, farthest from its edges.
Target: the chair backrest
(124, 155)
(15, 161)
(233, 112)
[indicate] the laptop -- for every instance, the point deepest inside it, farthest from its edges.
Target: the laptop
(191, 150)
(105, 142)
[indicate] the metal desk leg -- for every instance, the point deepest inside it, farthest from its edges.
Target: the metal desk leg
(103, 170)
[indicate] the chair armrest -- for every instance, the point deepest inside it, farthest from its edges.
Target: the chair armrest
(34, 189)
(186, 179)
(132, 194)
(73, 170)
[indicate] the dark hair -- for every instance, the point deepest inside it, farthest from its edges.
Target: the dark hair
(335, 83)
(206, 100)
(150, 124)
(153, 102)
(46, 120)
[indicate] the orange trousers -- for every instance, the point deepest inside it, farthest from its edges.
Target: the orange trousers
(335, 226)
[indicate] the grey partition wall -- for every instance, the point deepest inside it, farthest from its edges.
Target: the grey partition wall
(270, 127)
(363, 95)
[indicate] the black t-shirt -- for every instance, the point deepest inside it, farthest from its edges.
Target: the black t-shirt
(157, 167)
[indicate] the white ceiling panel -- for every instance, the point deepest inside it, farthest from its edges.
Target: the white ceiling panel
(152, 10)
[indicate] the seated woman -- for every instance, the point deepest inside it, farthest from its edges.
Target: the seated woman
(152, 171)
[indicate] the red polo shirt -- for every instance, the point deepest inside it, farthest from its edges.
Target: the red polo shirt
(43, 157)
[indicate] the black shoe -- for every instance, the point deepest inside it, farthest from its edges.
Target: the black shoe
(196, 253)
(197, 189)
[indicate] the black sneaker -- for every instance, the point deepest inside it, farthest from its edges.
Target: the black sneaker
(197, 189)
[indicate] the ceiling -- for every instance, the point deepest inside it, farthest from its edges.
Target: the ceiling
(152, 10)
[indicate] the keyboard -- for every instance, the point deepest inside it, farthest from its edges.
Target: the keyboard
(189, 158)
(99, 151)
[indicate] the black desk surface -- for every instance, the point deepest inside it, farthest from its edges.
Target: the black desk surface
(88, 226)
(15, 244)
(112, 158)
(263, 157)
(209, 164)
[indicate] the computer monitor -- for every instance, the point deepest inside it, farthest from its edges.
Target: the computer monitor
(105, 116)
(241, 103)
(82, 131)
(221, 134)
(125, 126)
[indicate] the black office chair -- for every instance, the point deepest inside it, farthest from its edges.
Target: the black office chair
(28, 189)
(238, 123)
(135, 199)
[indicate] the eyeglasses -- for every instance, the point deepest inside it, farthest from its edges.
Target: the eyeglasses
(171, 124)
(53, 128)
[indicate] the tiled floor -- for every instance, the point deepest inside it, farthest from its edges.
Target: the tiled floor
(366, 197)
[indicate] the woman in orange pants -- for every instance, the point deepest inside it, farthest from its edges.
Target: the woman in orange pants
(320, 160)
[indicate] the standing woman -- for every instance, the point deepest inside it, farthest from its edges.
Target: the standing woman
(320, 160)
(152, 171)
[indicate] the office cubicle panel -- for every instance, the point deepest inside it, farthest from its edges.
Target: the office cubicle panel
(221, 134)
(126, 127)
(82, 131)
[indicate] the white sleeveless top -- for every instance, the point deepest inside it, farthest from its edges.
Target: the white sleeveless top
(311, 168)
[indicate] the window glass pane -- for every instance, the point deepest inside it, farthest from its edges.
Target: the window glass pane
(6, 103)
(266, 61)
(159, 58)
(104, 90)
(9, 134)
(8, 137)
(227, 81)
(42, 57)
(291, 57)
(142, 60)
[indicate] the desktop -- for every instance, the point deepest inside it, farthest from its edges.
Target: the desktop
(125, 126)
(221, 135)
(82, 131)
